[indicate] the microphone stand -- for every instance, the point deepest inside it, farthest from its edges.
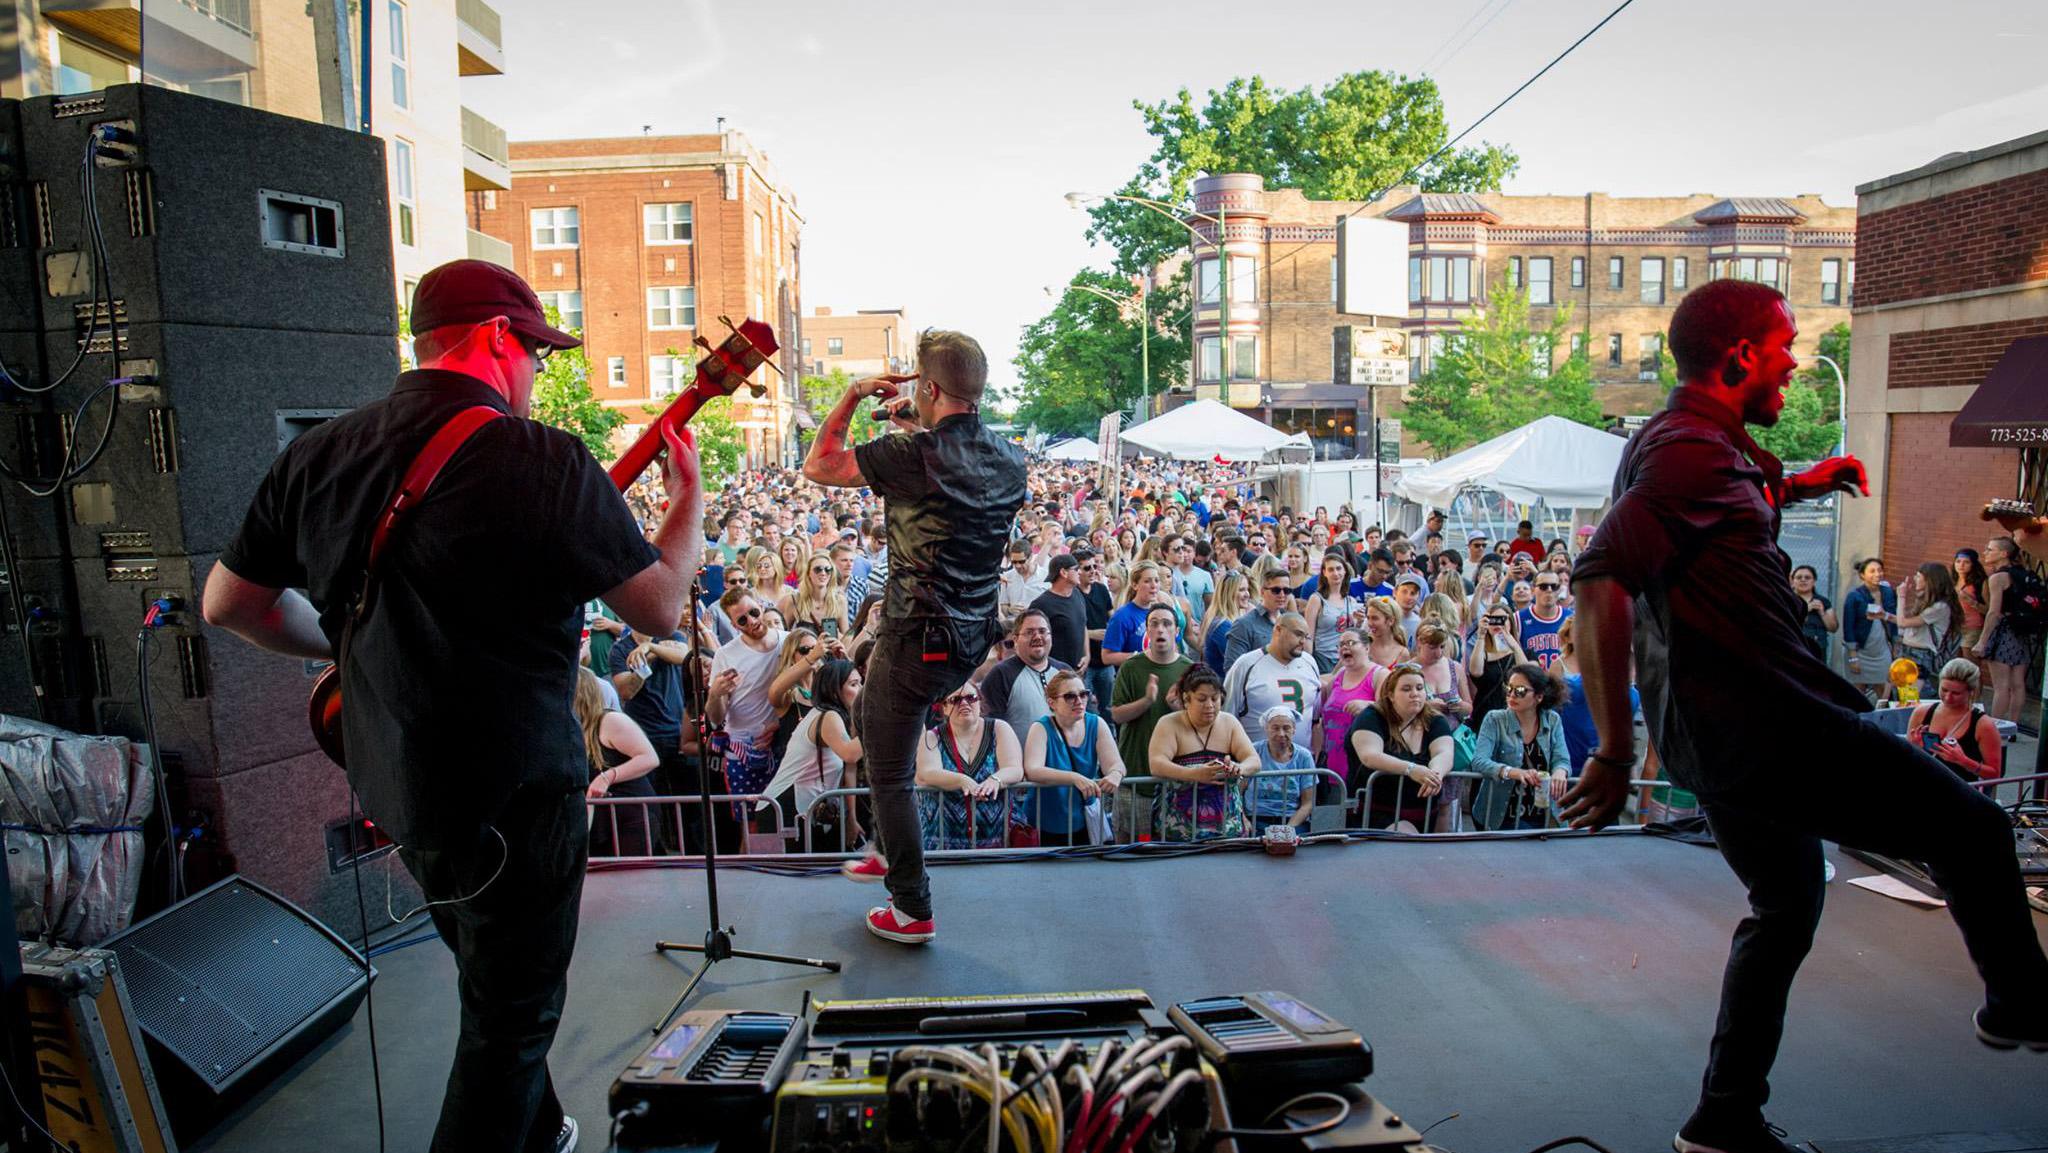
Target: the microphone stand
(717, 944)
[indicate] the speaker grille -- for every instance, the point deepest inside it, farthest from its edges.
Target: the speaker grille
(230, 974)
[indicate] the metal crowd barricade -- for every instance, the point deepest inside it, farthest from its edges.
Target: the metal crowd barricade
(1458, 818)
(605, 813)
(2038, 793)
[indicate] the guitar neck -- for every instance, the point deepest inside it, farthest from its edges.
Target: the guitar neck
(641, 453)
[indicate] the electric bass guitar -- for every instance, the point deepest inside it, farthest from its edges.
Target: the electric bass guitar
(722, 372)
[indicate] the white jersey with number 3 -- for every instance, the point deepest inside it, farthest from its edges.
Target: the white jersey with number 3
(1258, 681)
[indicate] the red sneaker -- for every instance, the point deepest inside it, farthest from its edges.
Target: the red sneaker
(888, 924)
(871, 869)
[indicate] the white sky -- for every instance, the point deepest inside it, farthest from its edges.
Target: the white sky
(930, 144)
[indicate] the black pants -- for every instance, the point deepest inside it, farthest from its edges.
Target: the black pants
(901, 686)
(512, 943)
(1849, 782)
(678, 776)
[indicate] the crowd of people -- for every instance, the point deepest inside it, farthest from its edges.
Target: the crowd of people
(1200, 638)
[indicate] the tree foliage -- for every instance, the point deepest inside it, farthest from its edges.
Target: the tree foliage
(1355, 136)
(562, 398)
(1810, 425)
(1083, 358)
(1495, 375)
(821, 393)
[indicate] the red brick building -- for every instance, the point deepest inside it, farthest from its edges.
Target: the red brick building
(1954, 268)
(644, 242)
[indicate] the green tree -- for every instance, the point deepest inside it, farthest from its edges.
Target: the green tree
(720, 446)
(821, 393)
(1803, 431)
(1495, 374)
(562, 398)
(1359, 134)
(1084, 358)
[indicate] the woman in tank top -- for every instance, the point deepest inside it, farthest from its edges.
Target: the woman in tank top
(820, 747)
(1208, 752)
(963, 769)
(1330, 609)
(1349, 688)
(620, 759)
(1495, 653)
(1074, 760)
(1954, 730)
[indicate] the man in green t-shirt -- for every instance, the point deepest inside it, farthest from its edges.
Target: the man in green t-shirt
(1144, 692)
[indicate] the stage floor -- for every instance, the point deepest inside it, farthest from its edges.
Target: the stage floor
(1537, 989)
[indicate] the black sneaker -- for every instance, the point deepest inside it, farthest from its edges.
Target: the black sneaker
(2007, 1033)
(1704, 1135)
(565, 1141)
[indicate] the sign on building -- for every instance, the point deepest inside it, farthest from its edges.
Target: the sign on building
(1390, 441)
(1378, 356)
(1372, 267)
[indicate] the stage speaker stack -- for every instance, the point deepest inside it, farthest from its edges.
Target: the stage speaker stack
(230, 986)
(246, 295)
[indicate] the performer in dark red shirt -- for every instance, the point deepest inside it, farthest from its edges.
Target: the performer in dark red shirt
(1743, 714)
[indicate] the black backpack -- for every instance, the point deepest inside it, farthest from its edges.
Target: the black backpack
(2026, 602)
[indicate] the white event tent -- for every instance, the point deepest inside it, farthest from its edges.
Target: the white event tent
(1551, 461)
(1080, 448)
(1207, 429)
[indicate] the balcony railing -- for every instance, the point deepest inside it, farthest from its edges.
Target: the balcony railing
(486, 158)
(479, 39)
(486, 247)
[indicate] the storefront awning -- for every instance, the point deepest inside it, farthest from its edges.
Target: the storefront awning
(2010, 409)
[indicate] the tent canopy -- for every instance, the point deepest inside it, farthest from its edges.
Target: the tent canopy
(1080, 448)
(1559, 462)
(1206, 429)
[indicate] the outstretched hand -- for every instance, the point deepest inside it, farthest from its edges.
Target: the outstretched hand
(1835, 474)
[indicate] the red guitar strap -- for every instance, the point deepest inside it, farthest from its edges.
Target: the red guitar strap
(425, 467)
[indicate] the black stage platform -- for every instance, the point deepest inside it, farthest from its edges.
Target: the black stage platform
(1538, 989)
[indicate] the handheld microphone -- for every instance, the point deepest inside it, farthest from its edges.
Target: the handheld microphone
(886, 412)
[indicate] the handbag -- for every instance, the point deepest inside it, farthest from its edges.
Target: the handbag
(1467, 744)
(323, 707)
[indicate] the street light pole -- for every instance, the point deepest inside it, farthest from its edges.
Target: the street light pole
(1841, 401)
(1174, 213)
(1144, 329)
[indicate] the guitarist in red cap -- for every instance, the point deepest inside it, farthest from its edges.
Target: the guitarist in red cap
(459, 668)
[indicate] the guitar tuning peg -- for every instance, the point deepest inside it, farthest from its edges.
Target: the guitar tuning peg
(760, 390)
(729, 325)
(702, 343)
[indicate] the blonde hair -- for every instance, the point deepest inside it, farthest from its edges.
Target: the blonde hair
(1224, 603)
(1386, 607)
(1965, 670)
(831, 605)
(590, 710)
(795, 569)
(1137, 574)
(752, 565)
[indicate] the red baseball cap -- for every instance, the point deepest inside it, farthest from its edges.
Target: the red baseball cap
(474, 291)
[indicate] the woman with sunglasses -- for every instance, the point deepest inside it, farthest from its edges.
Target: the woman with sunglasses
(1495, 652)
(764, 573)
(1206, 752)
(1074, 759)
(1521, 754)
(1400, 750)
(963, 769)
(819, 601)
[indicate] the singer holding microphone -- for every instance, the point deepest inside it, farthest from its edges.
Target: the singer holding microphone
(951, 488)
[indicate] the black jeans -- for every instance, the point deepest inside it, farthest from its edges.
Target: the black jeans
(901, 687)
(512, 943)
(1846, 781)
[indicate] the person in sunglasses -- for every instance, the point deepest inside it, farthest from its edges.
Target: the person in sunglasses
(1542, 618)
(965, 768)
(1070, 748)
(1521, 754)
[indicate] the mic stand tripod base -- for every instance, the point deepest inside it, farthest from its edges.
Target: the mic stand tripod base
(717, 944)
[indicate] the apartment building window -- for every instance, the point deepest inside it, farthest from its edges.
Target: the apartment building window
(1614, 350)
(556, 228)
(667, 223)
(1578, 343)
(672, 307)
(401, 56)
(1243, 275)
(1652, 279)
(615, 371)
(1650, 350)
(835, 346)
(1539, 280)
(568, 304)
(1209, 359)
(1678, 273)
(81, 68)
(665, 375)
(1761, 269)
(1514, 272)
(1440, 279)
(1333, 280)
(1244, 358)
(1614, 272)
(757, 234)
(1578, 272)
(1831, 282)
(403, 191)
(807, 347)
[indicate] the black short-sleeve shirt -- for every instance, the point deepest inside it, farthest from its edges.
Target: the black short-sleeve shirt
(460, 681)
(951, 493)
(1069, 617)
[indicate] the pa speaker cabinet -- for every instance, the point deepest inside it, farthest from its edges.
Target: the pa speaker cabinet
(231, 986)
(99, 1092)
(211, 213)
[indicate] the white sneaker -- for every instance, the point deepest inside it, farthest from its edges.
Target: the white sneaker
(565, 1141)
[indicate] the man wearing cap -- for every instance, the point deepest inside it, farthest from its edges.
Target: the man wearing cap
(462, 744)
(1475, 550)
(1409, 590)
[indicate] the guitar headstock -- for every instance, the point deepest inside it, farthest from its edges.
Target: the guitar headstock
(724, 370)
